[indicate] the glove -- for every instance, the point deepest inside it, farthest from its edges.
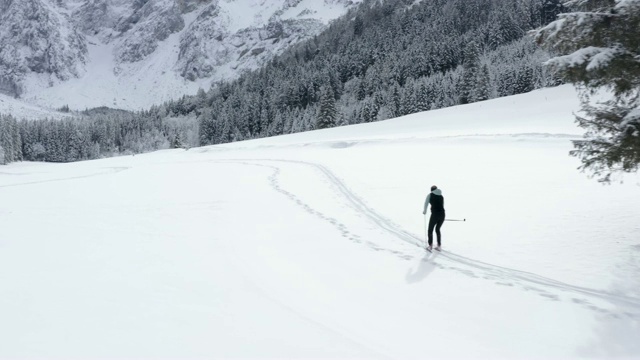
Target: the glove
(424, 213)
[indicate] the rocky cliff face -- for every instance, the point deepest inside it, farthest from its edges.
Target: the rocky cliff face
(208, 44)
(36, 36)
(52, 48)
(142, 31)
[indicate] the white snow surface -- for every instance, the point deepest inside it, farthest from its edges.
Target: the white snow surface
(310, 246)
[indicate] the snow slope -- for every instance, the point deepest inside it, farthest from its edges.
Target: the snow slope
(308, 245)
(22, 110)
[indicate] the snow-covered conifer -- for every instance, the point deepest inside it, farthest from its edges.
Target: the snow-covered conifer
(470, 73)
(598, 49)
(327, 112)
(483, 87)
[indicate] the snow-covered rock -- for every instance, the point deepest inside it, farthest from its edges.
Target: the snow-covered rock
(37, 37)
(208, 44)
(146, 27)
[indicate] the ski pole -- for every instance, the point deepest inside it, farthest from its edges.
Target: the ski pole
(424, 244)
(455, 220)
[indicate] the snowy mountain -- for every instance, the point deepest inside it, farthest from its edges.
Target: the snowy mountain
(310, 246)
(134, 54)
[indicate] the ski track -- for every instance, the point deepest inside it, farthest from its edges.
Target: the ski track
(500, 275)
(346, 143)
(112, 170)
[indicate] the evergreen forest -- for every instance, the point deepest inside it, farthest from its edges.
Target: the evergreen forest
(381, 60)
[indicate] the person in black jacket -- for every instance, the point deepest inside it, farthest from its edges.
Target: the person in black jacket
(436, 200)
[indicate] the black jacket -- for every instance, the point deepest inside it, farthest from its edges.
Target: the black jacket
(436, 200)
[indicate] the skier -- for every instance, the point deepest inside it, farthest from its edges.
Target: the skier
(436, 200)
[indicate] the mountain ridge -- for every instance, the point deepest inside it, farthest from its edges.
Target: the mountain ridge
(149, 50)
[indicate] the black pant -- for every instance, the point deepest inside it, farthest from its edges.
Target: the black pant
(435, 221)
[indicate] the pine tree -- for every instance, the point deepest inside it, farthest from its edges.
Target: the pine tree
(423, 98)
(3, 140)
(6, 139)
(225, 133)
(524, 80)
(483, 87)
(206, 127)
(358, 26)
(365, 113)
(201, 98)
(266, 116)
(17, 141)
(277, 126)
(378, 102)
(599, 48)
(327, 112)
(396, 102)
(470, 72)
(408, 103)
(177, 142)
(362, 90)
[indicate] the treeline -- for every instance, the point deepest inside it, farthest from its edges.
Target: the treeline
(10, 140)
(95, 135)
(381, 60)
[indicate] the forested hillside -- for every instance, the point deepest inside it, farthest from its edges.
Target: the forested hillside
(383, 59)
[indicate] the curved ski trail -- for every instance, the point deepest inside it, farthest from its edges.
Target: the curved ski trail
(526, 280)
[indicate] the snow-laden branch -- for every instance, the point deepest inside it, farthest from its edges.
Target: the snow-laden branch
(549, 31)
(632, 117)
(627, 6)
(568, 23)
(602, 57)
(595, 57)
(620, 4)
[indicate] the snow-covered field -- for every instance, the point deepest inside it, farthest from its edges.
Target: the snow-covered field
(309, 246)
